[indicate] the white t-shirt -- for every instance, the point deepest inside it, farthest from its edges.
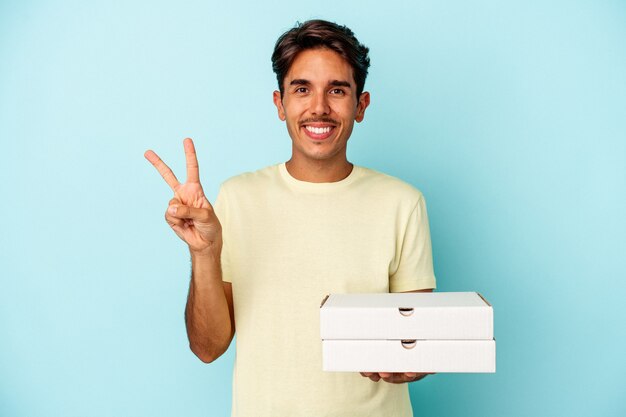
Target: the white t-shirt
(287, 244)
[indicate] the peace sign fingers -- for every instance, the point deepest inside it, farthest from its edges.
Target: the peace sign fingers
(193, 172)
(163, 169)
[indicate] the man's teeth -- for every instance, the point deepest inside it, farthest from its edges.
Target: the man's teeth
(318, 130)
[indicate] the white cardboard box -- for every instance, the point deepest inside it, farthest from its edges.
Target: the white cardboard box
(437, 315)
(407, 332)
(410, 356)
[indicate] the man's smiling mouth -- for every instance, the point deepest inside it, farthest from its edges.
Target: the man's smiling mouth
(318, 130)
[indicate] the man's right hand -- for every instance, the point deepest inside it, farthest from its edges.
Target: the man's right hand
(209, 313)
(189, 213)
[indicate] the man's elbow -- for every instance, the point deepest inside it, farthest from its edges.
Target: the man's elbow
(204, 354)
(206, 358)
(208, 354)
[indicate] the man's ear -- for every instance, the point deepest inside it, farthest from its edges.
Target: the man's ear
(278, 102)
(364, 101)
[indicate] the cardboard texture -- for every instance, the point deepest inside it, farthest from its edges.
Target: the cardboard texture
(407, 332)
(415, 356)
(440, 316)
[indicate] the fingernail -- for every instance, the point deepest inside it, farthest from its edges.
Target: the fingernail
(172, 209)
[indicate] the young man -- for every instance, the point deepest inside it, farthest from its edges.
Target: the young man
(283, 237)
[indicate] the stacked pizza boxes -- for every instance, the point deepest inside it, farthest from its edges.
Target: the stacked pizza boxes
(407, 332)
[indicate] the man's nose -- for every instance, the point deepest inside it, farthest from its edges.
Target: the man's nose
(319, 104)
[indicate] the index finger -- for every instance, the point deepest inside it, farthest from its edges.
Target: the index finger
(193, 171)
(163, 169)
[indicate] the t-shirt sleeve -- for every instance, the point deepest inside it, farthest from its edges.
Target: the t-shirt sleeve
(414, 269)
(221, 210)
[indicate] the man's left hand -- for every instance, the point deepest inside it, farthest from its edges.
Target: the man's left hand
(394, 377)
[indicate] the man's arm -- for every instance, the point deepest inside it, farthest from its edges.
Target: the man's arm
(209, 314)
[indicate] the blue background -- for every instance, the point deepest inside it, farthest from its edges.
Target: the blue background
(509, 116)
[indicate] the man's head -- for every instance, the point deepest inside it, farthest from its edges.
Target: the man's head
(320, 34)
(321, 70)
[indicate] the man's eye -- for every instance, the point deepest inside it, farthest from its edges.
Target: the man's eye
(301, 90)
(337, 91)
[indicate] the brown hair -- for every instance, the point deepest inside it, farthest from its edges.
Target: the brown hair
(320, 34)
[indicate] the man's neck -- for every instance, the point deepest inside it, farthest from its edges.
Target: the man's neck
(319, 171)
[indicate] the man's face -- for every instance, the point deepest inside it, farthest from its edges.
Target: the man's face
(320, 105)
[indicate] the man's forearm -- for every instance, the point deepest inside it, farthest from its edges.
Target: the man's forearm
(207, 315)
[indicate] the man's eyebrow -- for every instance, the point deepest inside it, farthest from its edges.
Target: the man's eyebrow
(339, 83)
(334, 83)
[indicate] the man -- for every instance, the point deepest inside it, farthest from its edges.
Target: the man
(283, 237)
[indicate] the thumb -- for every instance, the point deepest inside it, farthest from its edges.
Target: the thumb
(185, 212)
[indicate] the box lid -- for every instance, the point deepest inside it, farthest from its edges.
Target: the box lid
(437, 315)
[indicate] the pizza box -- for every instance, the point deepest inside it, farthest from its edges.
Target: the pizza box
(432, 316)
(439, 356)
